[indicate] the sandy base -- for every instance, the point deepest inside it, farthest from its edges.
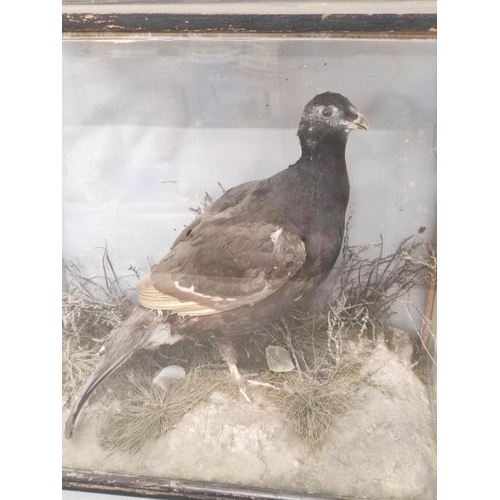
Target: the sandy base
(384, 447)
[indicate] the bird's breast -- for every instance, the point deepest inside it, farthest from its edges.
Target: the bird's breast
(322, 250)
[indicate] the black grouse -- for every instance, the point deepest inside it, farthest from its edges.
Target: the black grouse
(251, 256)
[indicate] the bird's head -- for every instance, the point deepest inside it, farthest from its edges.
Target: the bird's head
(326, 116)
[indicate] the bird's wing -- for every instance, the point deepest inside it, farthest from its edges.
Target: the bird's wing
(221, 264)
(233, 200)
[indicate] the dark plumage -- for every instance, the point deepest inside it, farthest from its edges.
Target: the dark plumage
(255, 252)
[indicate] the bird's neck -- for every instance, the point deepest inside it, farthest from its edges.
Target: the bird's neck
(325, 152)
(323, 172)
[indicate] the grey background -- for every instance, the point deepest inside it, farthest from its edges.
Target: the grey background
(149, 126)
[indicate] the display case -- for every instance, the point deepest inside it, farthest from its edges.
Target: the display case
(249, 263)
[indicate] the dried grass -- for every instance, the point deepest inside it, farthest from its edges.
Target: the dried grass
(91, 309)
(315, 405)
(94, 306)
(149, 412)
(322, 390)
(77, 364)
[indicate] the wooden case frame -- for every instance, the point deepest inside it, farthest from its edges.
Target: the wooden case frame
(92, 19)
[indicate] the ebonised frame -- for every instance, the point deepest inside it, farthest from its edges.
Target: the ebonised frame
(154, 487)
(422, 24)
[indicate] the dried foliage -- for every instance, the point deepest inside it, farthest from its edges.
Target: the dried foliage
(206, 202)
(315, 404)
(91, 309)
(148, 411)
(78, 362)
(369, 283)
(323, 388)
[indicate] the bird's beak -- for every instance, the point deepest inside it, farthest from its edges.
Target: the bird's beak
(361, 122)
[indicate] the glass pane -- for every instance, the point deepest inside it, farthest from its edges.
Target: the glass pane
(332, 397)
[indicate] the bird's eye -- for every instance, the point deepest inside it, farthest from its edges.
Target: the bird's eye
(327, 112)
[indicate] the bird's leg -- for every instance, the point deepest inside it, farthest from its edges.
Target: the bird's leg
(228, 354)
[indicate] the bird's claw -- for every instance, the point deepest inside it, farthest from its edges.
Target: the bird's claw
(245, 395)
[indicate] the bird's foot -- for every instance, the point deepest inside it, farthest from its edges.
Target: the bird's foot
(257, 383)
(229, 355)
(233, 370)
(254, 383)
(261, 384)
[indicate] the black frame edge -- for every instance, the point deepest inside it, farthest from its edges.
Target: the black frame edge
(242, 23)
(159, 488)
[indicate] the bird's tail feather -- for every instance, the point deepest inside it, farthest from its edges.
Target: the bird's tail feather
(124, 341)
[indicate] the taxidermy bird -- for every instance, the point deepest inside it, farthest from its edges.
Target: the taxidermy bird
(251, 256)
